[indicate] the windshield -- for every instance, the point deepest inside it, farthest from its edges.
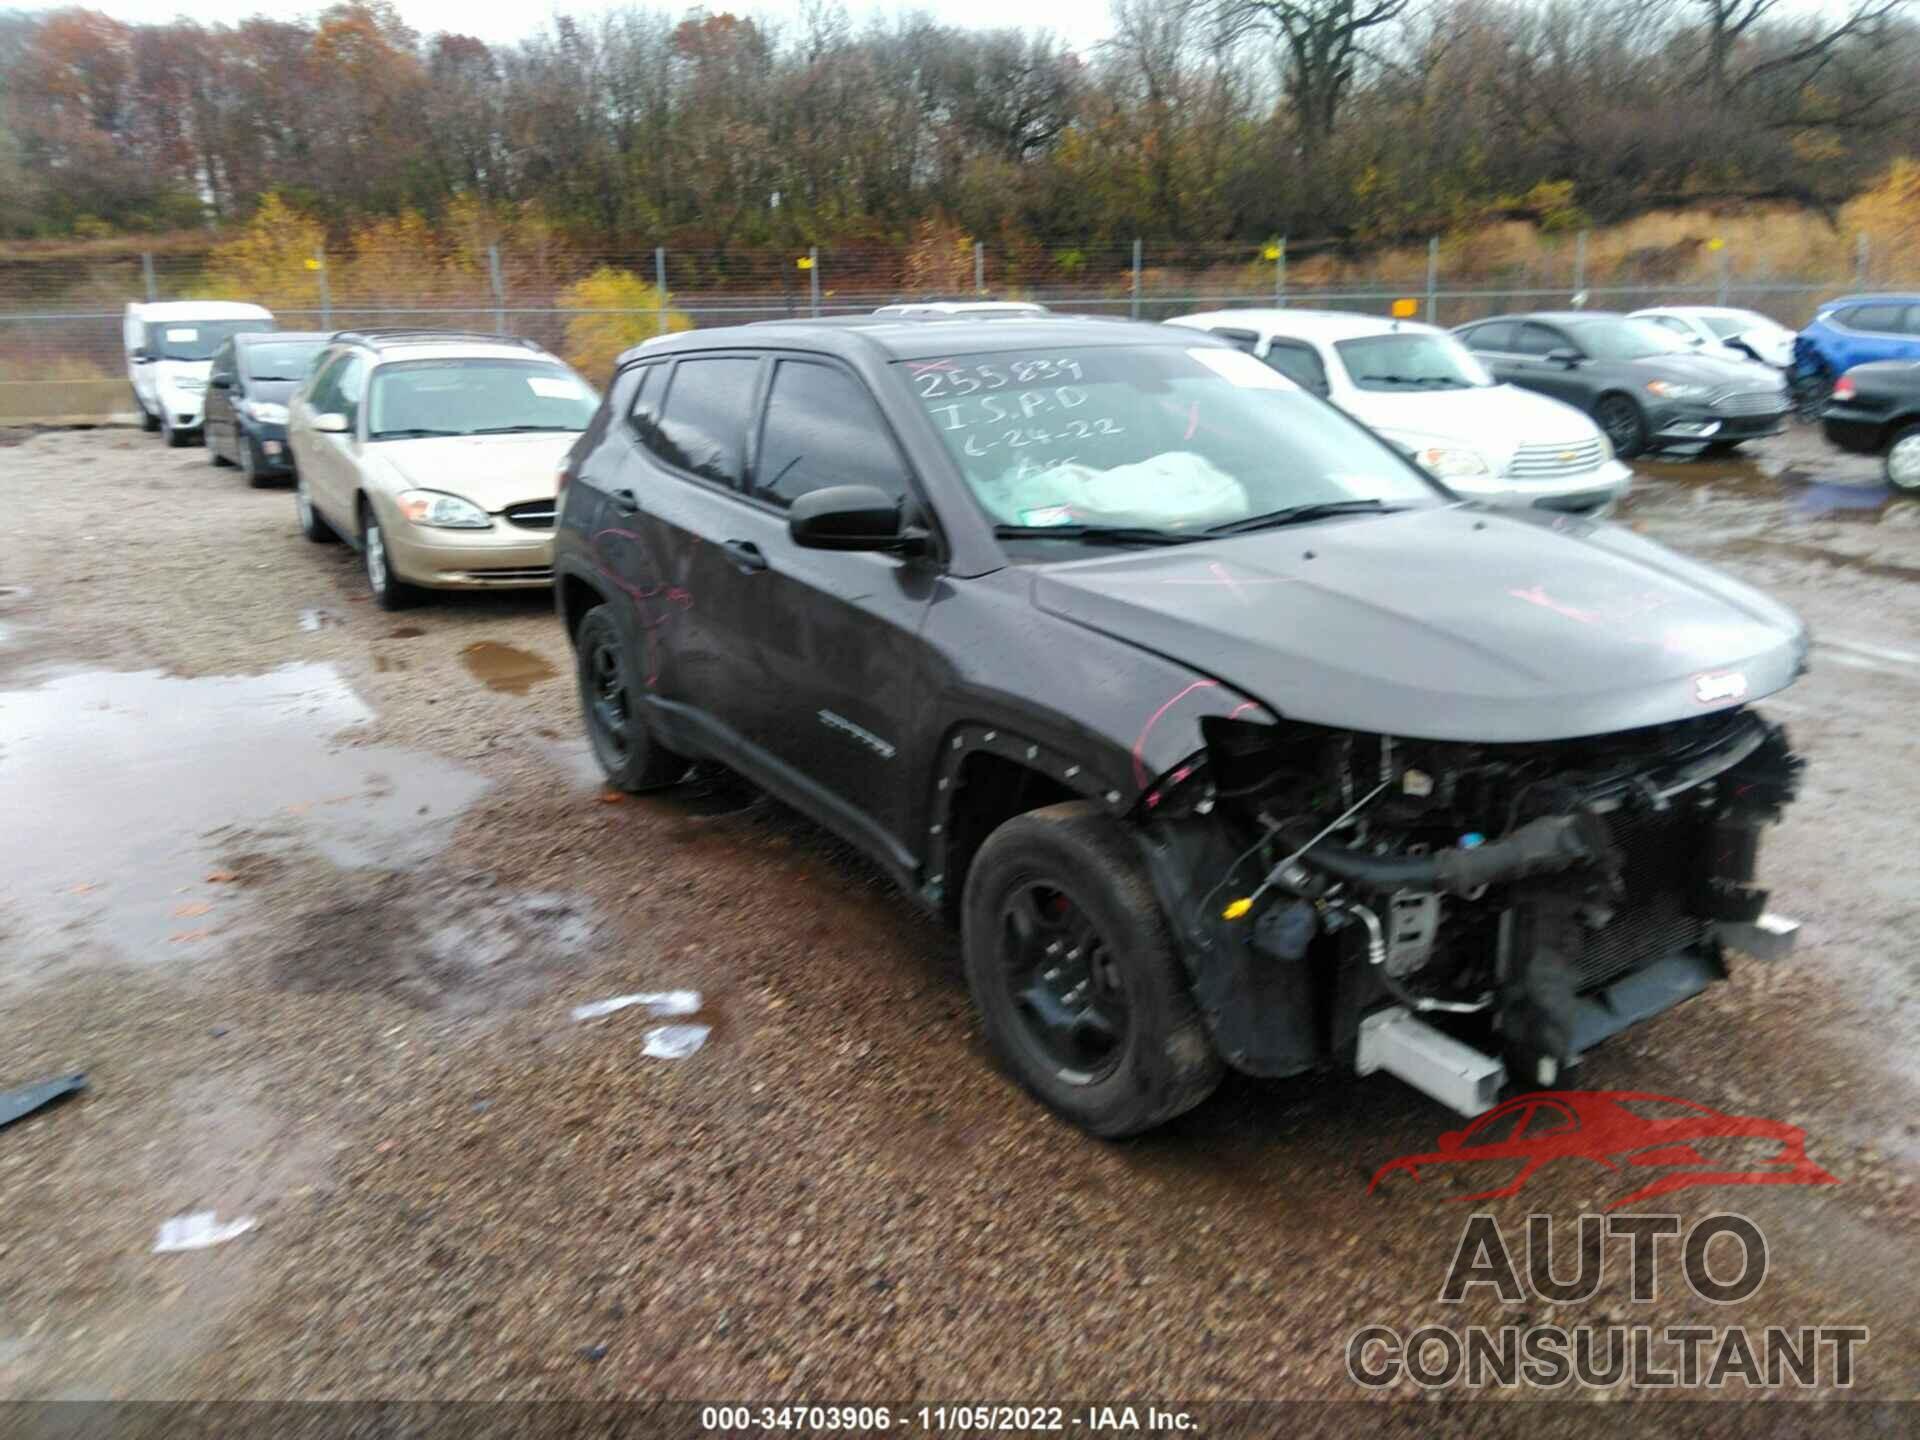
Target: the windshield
(196, 339)
(1414, 360)
(1625, 339)
(1158, 438)
(416, 398)
(282, 360)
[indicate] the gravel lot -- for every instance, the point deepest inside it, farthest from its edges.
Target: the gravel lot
(309, 891)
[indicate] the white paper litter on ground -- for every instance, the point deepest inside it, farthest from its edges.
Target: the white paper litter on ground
(198, 1231)
(675, 1042)
(662, 1004)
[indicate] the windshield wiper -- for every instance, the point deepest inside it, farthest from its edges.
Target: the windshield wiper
(1097, 534)
(1299, 514)
(1446, 381)
(520, 429)
(413, 434)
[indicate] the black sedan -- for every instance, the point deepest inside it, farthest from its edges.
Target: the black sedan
(1645, 388)
(253, 376)
(1875, 410)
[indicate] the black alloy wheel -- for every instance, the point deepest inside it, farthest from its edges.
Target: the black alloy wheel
(630, 757)
(1065, 982)
(1074, 971)
(1626, 428)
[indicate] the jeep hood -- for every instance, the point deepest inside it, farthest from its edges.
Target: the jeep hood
(1445, 624)
(493, 471)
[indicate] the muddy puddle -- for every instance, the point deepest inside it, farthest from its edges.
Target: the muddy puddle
(1816, 554)
(122, 790)
(459, 942)
(506, 668)
(1792, 489)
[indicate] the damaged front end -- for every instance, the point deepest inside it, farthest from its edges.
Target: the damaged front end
(1459, 913)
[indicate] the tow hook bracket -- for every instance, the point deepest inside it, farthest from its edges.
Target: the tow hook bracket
(1771, 937)
(1433, 1062)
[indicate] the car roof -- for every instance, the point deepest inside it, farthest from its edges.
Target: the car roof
(409, 344)
(1310, 324)
(962, 307)
(254, 337)
(1551, 317)
(905, 337)
(199, 310)
(1692, 310)
(1889, 298)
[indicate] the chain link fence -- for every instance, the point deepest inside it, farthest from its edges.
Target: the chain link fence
(61, 356)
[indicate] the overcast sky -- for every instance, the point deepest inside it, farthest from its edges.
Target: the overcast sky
(1077, 22)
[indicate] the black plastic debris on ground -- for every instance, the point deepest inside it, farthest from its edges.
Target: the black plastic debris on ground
(20, 1103)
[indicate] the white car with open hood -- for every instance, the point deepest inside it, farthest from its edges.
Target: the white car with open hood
(1423, 391)
(169, 346)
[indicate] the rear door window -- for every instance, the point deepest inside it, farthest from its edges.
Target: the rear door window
(702, 426)
(1539, 340)
(1299, 363)
(1497, 336)
(1247, 340)
(822, 428)
(1883, 318)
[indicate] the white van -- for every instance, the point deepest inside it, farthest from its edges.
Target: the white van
(1422, 391)
(170, 347)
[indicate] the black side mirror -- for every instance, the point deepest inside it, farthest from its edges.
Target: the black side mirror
(1565, 356)
(850, 517)
(139, 355)
(220, 382)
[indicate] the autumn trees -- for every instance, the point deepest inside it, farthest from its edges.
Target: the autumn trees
(1195, 120)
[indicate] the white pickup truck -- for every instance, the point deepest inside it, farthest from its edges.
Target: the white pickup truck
(170, 347)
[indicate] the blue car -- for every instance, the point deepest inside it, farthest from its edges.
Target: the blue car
(1850, 331)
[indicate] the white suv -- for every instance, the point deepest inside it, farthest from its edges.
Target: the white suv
(1422, 390)
(437, 456)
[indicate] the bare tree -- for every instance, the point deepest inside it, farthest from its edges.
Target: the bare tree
(1322, 44)
(1731, 26)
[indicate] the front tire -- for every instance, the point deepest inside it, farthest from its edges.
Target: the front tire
(390, 592)
(1074, 972)
(214, 457)
(249, 468)
(149, 422)
(175, 439)
(1903, 461)
(1626, 427)
(610, 703)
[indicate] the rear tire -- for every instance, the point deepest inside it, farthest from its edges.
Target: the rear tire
(311, 525)
(610, 704)
(1073, 969)
(1626, 427)
(1903, 460)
